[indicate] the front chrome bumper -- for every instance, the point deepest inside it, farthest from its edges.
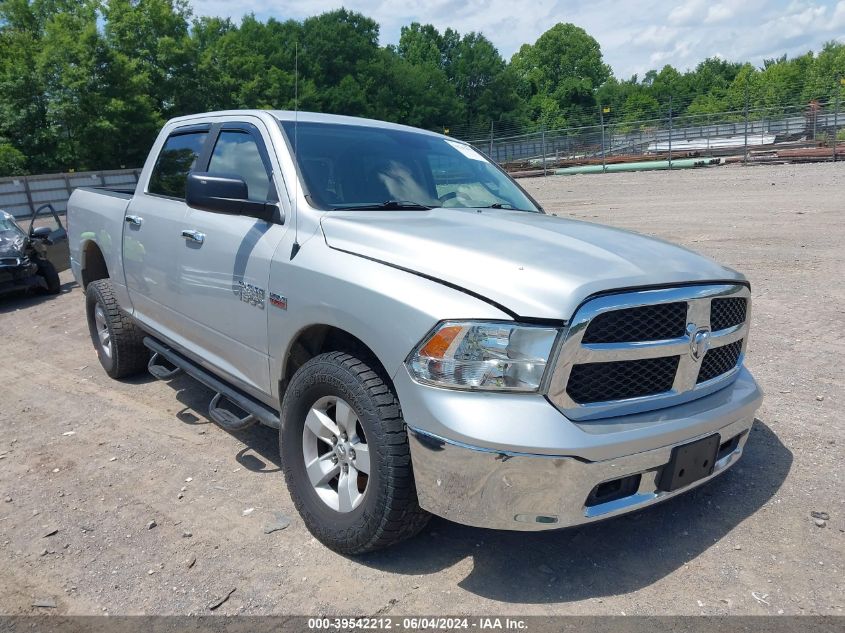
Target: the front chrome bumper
(517, 491)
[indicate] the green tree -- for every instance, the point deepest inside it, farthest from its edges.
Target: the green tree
(151, 38)
(418, 95)
(100, 111)
(565, 65)
(12, 161)
(421, 45)
(824, 77)
(23, 93)
(641, 108)
(707, 104)
(483, 83)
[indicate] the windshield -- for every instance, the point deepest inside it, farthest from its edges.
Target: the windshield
(7, 224)
(361, 167)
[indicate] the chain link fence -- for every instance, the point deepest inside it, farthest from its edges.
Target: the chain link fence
(811, 132)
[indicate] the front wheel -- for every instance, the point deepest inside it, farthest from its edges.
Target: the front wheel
(51, 278)
(346, 457)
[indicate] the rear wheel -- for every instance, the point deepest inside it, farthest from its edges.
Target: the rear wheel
(346, 458)
(118, 341)
(51, 277)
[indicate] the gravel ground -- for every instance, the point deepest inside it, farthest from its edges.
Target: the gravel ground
(87, 465)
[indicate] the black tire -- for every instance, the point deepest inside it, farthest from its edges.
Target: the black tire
(50, 275)
(389, 511)
(127, 356)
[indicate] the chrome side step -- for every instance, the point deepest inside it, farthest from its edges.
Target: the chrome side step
(249, 410)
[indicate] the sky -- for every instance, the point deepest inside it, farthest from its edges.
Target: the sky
(635, 35)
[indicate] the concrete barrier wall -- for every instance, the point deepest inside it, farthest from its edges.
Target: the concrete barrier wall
(21, 195)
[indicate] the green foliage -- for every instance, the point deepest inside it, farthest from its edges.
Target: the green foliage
(559, 75)
(12, 161)
(640, 108)
(86, 84)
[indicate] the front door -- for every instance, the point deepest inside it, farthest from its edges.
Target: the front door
(56, 243)
(225, 264)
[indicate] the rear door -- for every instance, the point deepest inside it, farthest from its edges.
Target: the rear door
(225, 261)
(152, 232)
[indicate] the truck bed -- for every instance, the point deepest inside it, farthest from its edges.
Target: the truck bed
(95, 217)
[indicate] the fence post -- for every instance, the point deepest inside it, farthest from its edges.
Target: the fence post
(28, 194)
(836, 116)
(670, 132)
(544, 149)
(491, 141)
(601, 119)
(745, 144)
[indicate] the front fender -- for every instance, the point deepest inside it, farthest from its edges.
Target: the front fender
(390, 310)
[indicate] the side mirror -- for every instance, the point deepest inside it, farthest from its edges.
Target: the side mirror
(41, 232)
(225, 194)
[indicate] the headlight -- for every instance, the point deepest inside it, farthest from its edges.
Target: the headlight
(483, 356)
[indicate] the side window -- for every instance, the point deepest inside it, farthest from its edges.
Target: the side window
(236, 154)
(177, 158)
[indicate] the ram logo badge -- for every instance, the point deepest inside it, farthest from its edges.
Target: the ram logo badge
(279, 301)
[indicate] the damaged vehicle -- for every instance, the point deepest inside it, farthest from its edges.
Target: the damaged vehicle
(33, 260)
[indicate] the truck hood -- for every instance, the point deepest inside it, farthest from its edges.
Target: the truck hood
(12, 244)
(534, 265)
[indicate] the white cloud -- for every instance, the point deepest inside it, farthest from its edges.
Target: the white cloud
(656, 36)
(635, 35)
(689, 12)
(719, 13)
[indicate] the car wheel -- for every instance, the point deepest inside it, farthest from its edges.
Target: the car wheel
(51, 277)
(346, 457)
(118, 341)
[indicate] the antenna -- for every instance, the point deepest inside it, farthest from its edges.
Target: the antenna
(295, 249)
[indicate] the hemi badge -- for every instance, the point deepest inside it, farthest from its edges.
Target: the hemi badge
(279, 301)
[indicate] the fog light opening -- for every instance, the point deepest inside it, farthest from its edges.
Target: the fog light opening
(613, 490)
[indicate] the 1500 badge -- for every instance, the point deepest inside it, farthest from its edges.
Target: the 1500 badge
(253, 295)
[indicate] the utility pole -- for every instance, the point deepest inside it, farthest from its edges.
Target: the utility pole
(670, 132)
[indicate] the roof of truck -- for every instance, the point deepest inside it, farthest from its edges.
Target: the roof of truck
(308, 117)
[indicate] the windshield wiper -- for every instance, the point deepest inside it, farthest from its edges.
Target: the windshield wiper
(503, 205)
(387, 205)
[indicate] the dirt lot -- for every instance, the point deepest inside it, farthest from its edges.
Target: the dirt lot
(96, 461)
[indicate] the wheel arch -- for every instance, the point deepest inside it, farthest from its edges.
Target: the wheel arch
(320, 338)
(92, 263)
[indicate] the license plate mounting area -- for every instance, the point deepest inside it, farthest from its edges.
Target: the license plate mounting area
(689, 463)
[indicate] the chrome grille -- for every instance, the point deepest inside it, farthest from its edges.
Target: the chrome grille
(597, 382)
(725, 313)
(646, 323)
(719, 361)
(630, 352)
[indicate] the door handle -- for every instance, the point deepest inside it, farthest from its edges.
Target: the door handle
(134, 220)
(193, 236)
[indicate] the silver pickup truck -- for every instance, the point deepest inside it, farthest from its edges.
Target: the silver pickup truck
(425, 337)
